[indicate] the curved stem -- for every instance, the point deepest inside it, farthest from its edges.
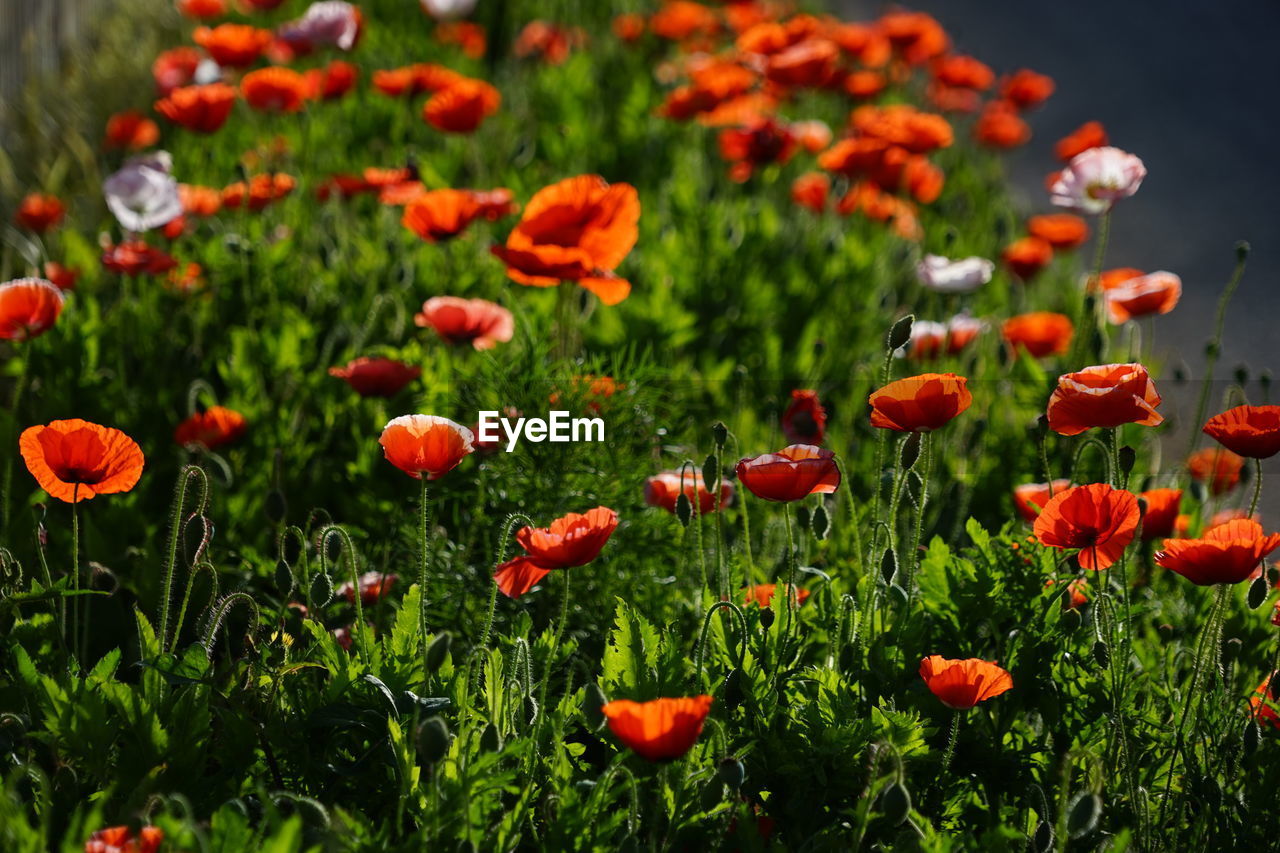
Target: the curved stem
(555, 647)
(1211, 352)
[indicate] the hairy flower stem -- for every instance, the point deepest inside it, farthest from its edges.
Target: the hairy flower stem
(790, 590)
(1190, 704)
(1212, 350)
(1257, 486)
(424, 511)
(951, 745)
(19, 386)
(555, 648)
(501, 557)
(77, 629)
(913, 559)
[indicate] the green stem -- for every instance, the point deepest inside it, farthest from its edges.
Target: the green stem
(555, 647)
(424, 561)
(77, 630)
(951, 744)
(1215, 345)
(1257, 486)
(20, 386)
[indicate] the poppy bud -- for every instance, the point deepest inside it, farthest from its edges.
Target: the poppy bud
(1258, 592)
(1044, 837)
(1071, 618)
(1242, 250)
(276, 508)
(332, 546)
(766, 619)
(284, 578)
(1242, 374)
(1249, 740)
(437, 650)
(593, 700)
(888, 565)
(1127, 457)
(910, 451)
(900, 333)
(321, 590)
(803, 517)
(821, 522)
(1231, 649)
(733, 689)
(1083, 814)
(1179, 375)
(531, 708)
(490, 739)
(719, 433)
(732, 773)
(1102, 653)
(895, 803)
(684, 509)
(711, 470)
(433, 740)
(1211, 349)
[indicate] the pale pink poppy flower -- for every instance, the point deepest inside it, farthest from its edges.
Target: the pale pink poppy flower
(1096, 178)
(1153, 293)
(327, 23)
(478, 322)
(143, 195)
(444, 10)
(947, 276)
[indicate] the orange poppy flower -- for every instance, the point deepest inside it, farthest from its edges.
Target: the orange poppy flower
(661, 729)
(1252, 431)
(331, 82)
(917, 36)
(1027, 257)
(261, 191)
(118, 839)
(629, 27)
(198, 200)
(202, 109)
(425, 444)
(373, 586)
(811, 62)
(1040, 333)
(1217, 468)
(572, 540)
(1264, 703)
(663, 490)
(550, 42)
(436, 215)
(1029, 498)
(761, 594)
(495, 204)
(479, 322)
(275, 90)
(903, 125)
(1105, 395)
(1228, 553)
(963, 72)
(28, 308)
(1059, 230)
(930, 339)
(376, 377)
(74, 460)
(461, 107)
(1162, 512)
(137, 258)
(1113, 278)
(920, 403)
(174, 68)
(1156, 293)
(804, 421)
(62, 277)
(188, 279)
(1026, 88)
(811, 190)
(1000, 126)
(215, 427)
(679, 20)
(202, 8)
(579, 229)
(40, 212)
(866, 43)
(1076, 595)
(233, 45)
(864, 84)
(951, 99)
(1091, 134)
(1097, 519)
(792, 473)
(961, 684)
(467, 35)
(131, 130)
(757, 143)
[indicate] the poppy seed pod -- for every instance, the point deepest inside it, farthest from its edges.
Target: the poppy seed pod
(433, 740)
(438, 650)
(731, 772)
(900, 333)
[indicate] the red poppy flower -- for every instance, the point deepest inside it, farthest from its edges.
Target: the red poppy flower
(198, 200)
(63, 277)
(904, 126)
(1161, 514)
(1157, 293)
(577, 230)
(261, 191)
(659, 730)
(436, 215)
(811, 190)
(331, 82)
(1030, 498)
(376, 377)
(131, 130)
(792, 473)
(1091, 134)
(1000, 126)
(1027, 257)
(461, 107)
(28, 308)
(804, 421)
(916, 36)
(1114, 278)
(175, 68)
(373, 586)
(920, 403)
(1026, 88)
(425, 444)
(963, 72)
(1228, 553)
(202, 109)
(215, 427)
(1076, 593)
(1216, 467)
(137, 258)
(1059, 230)
(761, 594)
(961, 684)
(629, 27)
(550, 42)
(275, 90)
(1097, 519)
(758, 143)
(233, 45)
(663, 490)
(187, 279)
(572, 540)
(1106, 395)
(202, 8)
(930, 339)
(1264, 704)
(679, 20)
(811, 62)
(1252, 431)
(1040, 333)
(74, 460)
(468, 35)
(479, 322)
(40, 212)
(118, 839)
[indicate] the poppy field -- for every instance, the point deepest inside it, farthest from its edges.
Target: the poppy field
(566, 425)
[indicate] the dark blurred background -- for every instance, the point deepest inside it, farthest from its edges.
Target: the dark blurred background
(1189, 86)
